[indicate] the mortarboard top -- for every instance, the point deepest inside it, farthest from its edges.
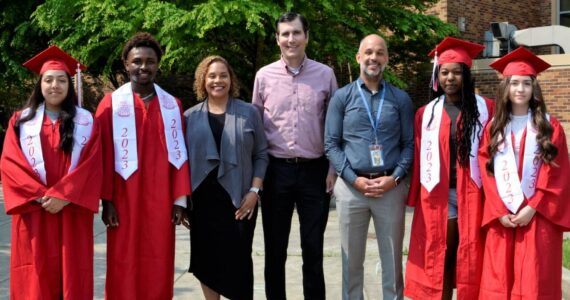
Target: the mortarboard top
(453, 50)
(53, 58)
(520, 62)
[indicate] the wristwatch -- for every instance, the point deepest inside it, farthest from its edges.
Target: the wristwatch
(255, 190)
(397, 180)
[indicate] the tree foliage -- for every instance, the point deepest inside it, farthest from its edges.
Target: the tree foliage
(240, 30)
(19, 40)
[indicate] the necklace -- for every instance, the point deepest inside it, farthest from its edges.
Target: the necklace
(147, 97)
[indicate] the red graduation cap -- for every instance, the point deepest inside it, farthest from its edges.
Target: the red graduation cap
(53, 58)
(520, 62)
(452, 50)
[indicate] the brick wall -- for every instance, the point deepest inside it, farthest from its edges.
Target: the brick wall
(479, 14)
(439, 9)
(555, 84)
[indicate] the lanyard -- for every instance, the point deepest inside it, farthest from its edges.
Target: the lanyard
(369, 111)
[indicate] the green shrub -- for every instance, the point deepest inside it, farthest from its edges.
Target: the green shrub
(566, 254)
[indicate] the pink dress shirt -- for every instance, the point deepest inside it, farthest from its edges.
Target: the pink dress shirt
(293, 107)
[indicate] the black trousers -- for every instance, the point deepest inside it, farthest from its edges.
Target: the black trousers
(301, 185)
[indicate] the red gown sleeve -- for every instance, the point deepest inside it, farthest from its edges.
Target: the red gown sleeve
(20, 184)
(104, 117)
(490, 107)
(552, 187)
(493, 206)
(82, 186)
(415, 185)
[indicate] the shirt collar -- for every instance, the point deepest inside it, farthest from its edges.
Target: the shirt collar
(363, 86)
(301, 66)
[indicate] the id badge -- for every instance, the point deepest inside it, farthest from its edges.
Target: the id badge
(376, 155)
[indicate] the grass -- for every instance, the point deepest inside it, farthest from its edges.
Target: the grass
(566, 254)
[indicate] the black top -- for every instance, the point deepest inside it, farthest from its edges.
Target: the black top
(453, 111)
(217, 126)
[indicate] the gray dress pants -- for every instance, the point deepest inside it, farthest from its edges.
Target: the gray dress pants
(354, 211)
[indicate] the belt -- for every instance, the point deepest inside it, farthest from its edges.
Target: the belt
(376, 174)
(294, 160)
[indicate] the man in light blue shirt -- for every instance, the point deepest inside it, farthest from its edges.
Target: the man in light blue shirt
(369, 141)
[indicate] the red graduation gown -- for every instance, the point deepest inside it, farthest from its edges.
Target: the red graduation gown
(526, 262)
(51, 254)
(426, 258)
(140, 251)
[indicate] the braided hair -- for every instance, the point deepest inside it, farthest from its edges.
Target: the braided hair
(469, 123)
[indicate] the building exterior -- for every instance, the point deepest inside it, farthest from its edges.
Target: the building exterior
(473, 18)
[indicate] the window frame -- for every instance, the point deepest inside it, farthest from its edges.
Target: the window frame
(561, 13)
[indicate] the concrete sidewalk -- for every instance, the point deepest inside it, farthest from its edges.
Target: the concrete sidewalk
(187, 287)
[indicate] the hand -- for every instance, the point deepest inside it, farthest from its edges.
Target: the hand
(53, 205)
(331, 179)
(374, 188)
(386, 183)
(365, 186)
(369, 187)
(109, 216)
(179, 216)
(247, 206)
(506, 221)
(524, 216)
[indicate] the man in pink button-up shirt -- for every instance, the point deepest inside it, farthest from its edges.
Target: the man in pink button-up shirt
(292, 95)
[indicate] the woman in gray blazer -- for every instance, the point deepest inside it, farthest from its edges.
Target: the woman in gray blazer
(227, 151)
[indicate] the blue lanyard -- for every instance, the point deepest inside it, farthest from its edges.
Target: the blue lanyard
(369, 111)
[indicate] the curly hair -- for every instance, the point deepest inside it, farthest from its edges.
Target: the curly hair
(66, 115)
(142, 39)
(503, 109)
(202, 72)
(469, 123)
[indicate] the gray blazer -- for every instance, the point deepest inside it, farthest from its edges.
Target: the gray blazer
(243, 147)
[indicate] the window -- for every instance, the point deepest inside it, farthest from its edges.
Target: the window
(564, 8)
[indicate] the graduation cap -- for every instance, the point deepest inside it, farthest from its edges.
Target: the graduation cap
(54, 58)
(520, 62)
(453, 50)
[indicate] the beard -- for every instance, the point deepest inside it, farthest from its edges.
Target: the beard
(372, 74)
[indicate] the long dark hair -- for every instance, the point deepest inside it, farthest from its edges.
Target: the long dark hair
(469, 122)
(66, 115)
(502, 115)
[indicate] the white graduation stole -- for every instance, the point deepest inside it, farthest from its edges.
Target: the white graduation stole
(511, 188)
(82, 132)
(429, 148)
(124, 130)
(31, 144)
